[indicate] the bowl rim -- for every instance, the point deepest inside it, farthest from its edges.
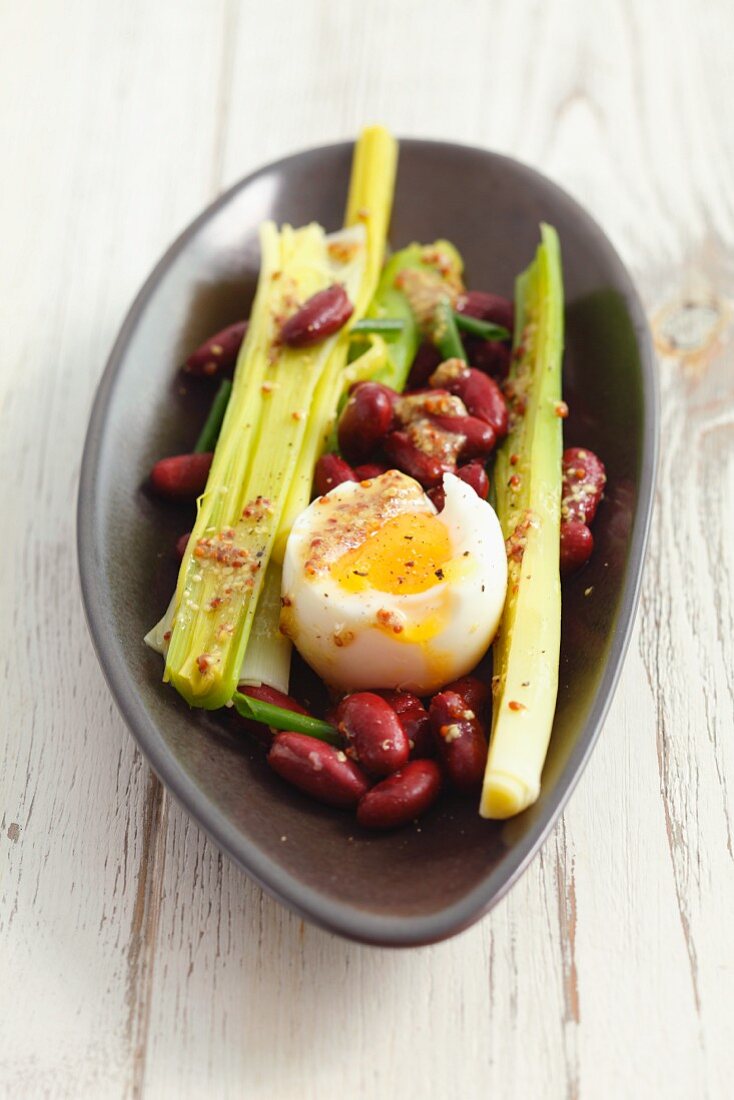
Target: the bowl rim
(344, 919)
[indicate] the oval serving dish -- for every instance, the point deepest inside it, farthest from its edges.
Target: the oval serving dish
(417, 885)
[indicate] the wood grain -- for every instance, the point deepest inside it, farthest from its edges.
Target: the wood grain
(137, 961)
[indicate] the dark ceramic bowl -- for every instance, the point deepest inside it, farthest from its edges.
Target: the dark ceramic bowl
(417, 885)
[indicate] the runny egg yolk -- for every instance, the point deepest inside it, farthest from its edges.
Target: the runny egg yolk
(404, 556)
(380, 591)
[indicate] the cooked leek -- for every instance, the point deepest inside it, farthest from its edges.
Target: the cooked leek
(528, 488)
(371, 189)
(374, 326)
(268, 654)
(282, 406)
(439, 266)
(238, 515)
(370, 204)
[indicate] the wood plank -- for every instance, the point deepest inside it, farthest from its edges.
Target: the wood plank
(92, 197)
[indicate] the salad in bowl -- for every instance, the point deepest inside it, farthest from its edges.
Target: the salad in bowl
(381, 488)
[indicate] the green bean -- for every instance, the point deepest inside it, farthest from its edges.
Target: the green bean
(209, 434)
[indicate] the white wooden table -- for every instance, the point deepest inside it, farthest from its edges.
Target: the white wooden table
(135, 960)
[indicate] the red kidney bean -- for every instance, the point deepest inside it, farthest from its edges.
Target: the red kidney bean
(330, 471)
(489, 356)
(374, 734)
(480, 394)
(322, 315)
(426, 360)
(266, 694)
(479, 437)
(181, 543)
(584, 478)
(402, 797)
(181, 476)
(319, 769)
(577, 545)
(474, 474)
(414, 719)
(405, 456)
(473, 691)
(219, 353)
(462, 746)
(487, 307)
(484, 399)
(428, 401)
(331, 714)
(366, 419)
(438, 497)
(369, 470)
(391, 395)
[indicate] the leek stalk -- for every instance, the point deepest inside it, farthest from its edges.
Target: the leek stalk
(528, 488)
(385, 326)
(225, 563)
(440, 267)
(370, 204)
(281, 410)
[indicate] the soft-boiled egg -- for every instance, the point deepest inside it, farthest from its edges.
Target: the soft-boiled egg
(381, 591)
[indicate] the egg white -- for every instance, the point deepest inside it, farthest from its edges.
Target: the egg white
(338, 633)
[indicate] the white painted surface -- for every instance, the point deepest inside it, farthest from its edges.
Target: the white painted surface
(135, 960)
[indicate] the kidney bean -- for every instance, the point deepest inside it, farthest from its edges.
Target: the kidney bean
(405, 456)
(391, 395)
(266, 694)
(426, 360)
(480, 394)
(320, 316)
(473, 691)
(438, 497)
(428, 401)
(331, 714)
(484, 399)
(474, 474)
(374, 734)
(402, 797)
(462, 746)
(487, 307)
(330, 471)
(369, 470)
(489, 356)
(479, 437)
(414, 719)
(219, 353)
(584, 478)
(318, 769)
(366, 419)
(577, 544)
(181, 476)
(492, 357)
(181, 543)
